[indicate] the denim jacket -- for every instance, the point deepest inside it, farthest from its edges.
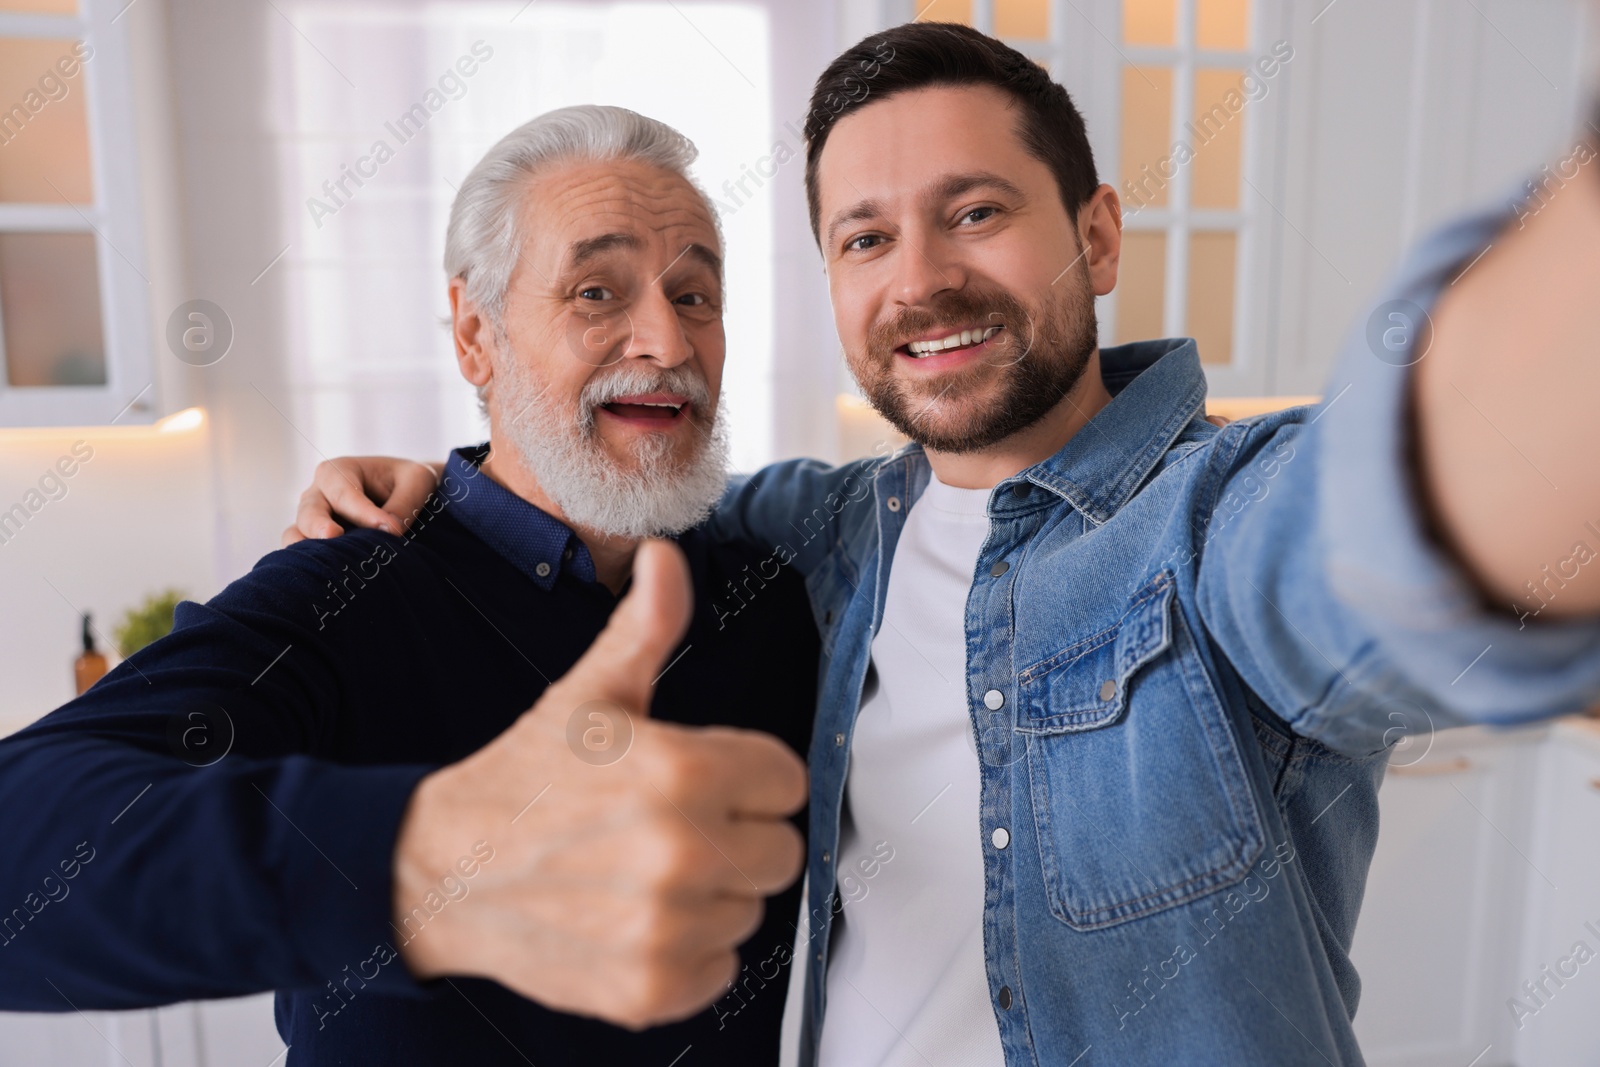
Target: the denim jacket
(1190, 653)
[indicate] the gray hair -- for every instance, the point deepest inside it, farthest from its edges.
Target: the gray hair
(483, 240)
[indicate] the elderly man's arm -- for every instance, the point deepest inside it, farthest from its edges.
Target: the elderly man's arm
(216, 817)
(178, 830)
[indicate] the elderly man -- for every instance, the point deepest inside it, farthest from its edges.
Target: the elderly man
(1118, 685)
(328, 781)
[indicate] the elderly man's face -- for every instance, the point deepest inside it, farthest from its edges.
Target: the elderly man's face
(607, 374)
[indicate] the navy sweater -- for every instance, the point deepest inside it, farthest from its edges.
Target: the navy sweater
(217, 816)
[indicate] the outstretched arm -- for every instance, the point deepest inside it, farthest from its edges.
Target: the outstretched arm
(1414, 553)
(1504, 406)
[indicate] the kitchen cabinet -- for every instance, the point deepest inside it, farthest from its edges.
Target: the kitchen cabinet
(77, 322)
(1557, 1013)
(213, 1033)
(1440, 925)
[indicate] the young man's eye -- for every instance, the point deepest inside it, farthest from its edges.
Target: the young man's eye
(596, 292)
(863, 243)
(978, 214)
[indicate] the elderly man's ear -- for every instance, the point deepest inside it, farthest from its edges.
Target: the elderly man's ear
(473, 334)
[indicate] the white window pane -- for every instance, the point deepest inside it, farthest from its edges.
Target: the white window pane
(50, 310)
(44, 128)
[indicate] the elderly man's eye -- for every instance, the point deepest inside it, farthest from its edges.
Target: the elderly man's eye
(693, 300)
(596, 292)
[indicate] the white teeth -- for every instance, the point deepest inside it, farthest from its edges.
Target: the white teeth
(955, 340)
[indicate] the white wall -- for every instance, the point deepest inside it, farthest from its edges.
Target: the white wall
(1402, 115)
(135, 518)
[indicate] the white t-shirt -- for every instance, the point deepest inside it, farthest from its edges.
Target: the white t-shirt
(906, 979)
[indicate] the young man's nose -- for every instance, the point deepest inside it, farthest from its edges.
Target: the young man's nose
(925, 268)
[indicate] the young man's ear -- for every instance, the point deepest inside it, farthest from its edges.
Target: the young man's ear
(472, 333)
(1100, 235)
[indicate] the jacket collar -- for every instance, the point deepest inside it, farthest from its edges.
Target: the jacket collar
(1157, 388)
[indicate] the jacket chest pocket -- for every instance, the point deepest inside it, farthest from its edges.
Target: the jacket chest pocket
(1140, 798)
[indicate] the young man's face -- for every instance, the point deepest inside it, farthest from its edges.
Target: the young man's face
(939, 229)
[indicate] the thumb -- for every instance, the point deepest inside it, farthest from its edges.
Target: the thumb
(624, 661)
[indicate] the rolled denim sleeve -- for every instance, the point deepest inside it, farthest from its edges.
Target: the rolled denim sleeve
(1329, 595)
(1483, 663)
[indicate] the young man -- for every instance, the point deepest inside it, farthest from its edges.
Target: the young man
(329, 781)
(1119, 687)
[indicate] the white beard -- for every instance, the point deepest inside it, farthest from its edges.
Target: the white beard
(659, 497)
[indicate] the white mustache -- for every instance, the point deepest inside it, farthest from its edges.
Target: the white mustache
(633, 381)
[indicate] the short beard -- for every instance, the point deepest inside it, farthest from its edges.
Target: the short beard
(1039, 360)
(661, 496)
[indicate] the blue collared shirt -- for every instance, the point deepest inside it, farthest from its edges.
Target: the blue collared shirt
(1184, 689)
(535, 542)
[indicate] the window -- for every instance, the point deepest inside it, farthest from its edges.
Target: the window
(1180, 169)
(73, 293)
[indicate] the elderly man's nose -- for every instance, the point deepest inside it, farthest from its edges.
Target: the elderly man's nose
(658, 332)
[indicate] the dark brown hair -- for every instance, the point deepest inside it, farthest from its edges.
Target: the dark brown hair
(921, 54)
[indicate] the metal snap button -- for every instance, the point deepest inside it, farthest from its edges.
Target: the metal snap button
(1108, 689)
(993, 699)
(1001, 837)
(838, 740)
(999, 568)
(1005, 998)
(894, 503)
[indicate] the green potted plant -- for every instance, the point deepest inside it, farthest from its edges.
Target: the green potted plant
(149, 622)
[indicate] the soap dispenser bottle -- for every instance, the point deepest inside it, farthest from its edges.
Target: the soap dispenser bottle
(91, 666)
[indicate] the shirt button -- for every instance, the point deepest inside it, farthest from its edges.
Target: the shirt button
(566, 553)
(1005, 998)
(1108, 689)
(993, 699)
(999, 568)
(893, 503)
(1001, 837)
(838, 740)
(542, 570)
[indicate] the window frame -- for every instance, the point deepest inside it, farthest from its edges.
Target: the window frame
(114, 219)
(1255, 223)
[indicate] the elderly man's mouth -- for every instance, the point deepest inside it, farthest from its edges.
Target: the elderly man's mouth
(656, 410)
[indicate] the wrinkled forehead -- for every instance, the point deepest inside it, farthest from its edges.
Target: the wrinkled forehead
(659, 210)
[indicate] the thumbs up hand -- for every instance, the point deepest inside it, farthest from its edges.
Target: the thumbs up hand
(624, 889)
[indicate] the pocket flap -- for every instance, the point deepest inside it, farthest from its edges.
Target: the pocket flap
(1085, 685)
